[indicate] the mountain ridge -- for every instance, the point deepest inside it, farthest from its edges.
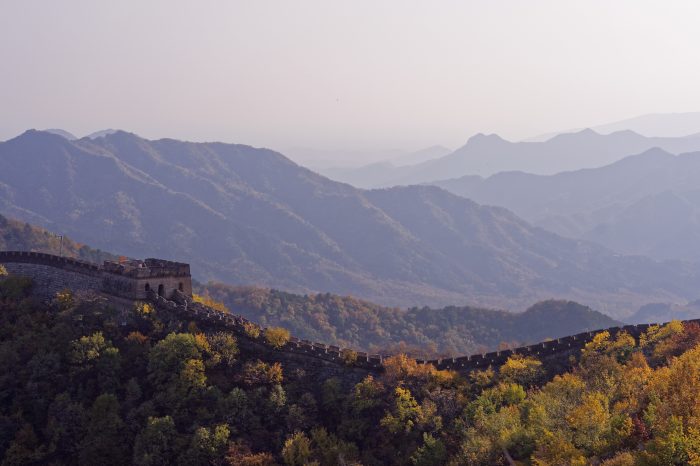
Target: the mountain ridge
(251, 216)
(645, 204)
(489, 154)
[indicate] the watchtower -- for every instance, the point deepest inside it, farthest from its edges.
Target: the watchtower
(130, 279)
(133, 279)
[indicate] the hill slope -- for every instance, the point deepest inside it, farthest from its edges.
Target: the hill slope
(350, 322)
(644, 204)
(84, 384)
(20, 236)
(251, 216)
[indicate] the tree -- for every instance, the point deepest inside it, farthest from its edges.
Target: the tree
(261, 373)
(65, 426)
(104, 443)
(277, 337)
(207, 445)
(155, 445)
(431, 453)
(224, 346)
(167, 358)
(404, 414)
(297, 450)
(87, 349)
(239, 454)
(523, 370)
(25, 449)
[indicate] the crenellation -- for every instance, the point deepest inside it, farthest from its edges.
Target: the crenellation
(169, 287)
(128, 279)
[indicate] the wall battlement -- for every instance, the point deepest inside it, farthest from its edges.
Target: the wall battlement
(41, 258)
(168, 286)
(131, 279)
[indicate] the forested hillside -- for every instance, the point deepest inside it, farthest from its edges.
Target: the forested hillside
(349, 322)
(79, 386)
(21, 236)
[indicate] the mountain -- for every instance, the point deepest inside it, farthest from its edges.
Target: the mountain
(101, 133)
(644, 204)
(354, 323)
(62, 133)
(657, 124)
(349, 322)
(485, 155)
(377, 174)
(665, 312)
(667, 125)
(250, 216)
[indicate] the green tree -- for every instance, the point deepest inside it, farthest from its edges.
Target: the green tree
(170, 356)
(206, 446)
(156, 443)
(225, 346)
(431, 453)
(297, 450)
(104, 443)
(404, 414)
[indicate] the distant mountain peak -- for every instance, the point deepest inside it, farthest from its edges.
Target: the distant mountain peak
(61, 132)
(585, 133)
(654, 152)
(38, 135)
(480, 140)
(102, 133)
(486, 137)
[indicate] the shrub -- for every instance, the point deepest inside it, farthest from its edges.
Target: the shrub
(276, 337)
(208, 301)
(3, 271)
(261, 373)
(523, 370)
(144, 309)
(349, 356)
(251, 329)
(225, 346)
(15, 287)
(64, 299)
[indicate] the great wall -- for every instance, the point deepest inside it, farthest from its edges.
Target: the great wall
(168, 286)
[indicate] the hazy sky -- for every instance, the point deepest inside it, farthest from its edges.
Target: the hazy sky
(351, 75)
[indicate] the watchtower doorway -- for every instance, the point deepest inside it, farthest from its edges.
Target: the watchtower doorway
(161, 290)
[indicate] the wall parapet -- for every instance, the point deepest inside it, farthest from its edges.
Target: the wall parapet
(334, 354)
(96, 278)
(40, 258)
(129, 279)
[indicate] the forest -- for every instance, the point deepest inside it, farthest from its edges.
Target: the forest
(347, 321)
(82, 383)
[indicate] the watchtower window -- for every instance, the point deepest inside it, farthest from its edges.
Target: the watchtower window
(161, 290)
(147, 287)
(181, 286)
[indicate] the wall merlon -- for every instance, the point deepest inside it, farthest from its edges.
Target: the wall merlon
(52, 274)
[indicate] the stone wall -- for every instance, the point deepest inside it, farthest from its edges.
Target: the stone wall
(237, 325)
(48, 280)
(52, 274)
